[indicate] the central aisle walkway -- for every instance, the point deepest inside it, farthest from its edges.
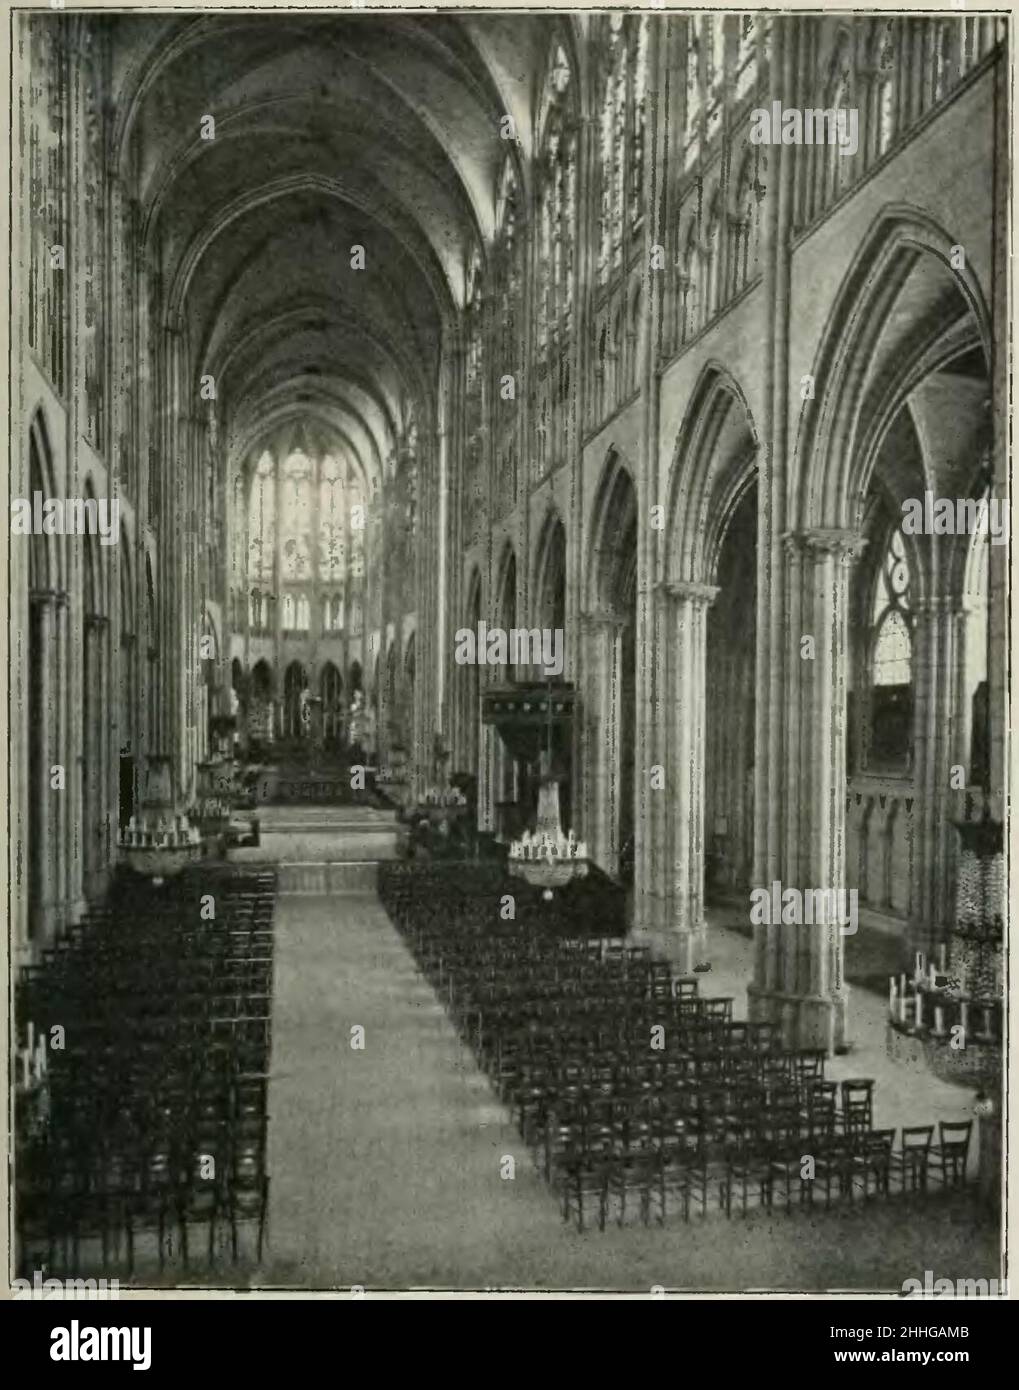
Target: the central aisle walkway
(385, 1163)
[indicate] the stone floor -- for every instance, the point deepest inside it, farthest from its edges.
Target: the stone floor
(387, 1162)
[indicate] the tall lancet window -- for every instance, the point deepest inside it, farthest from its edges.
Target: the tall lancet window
(358, 525)
(621, 135)
(637, 123)
(891, 662)
(297, 516)
(746, 57)
(506, 266)
(332, 556)
(261, 541)
(557, 197)
(262, 521)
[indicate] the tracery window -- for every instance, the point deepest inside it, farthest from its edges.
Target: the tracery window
(557, 202)
(262, 522)
(692, 284)
(941, 66)
(506, 264)
(317, 538)
(621, 135)
(891, 661)
(331, 521)
(883, 56)
(746, 56)
(745, 224)
(892, 619)
(297, 516)
(705, 74)
(475, 395)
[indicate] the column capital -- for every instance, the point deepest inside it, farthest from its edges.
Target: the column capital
(687, 591)
(826, 540)
(598, 618)
(45, 598)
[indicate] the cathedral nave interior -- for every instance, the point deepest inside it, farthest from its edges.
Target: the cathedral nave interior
(341, 960)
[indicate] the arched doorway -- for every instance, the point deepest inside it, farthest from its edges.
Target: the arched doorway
(43, 585)
(471, 677)
(701, 836)
(510, 817)
(153, 745)
(208, 687)
(407, 703)
(295, 684)
(550, 588)
(332, 705)
(126, 714)
(93, 829)
(260, 708)
(610, 675)
(393, 731)
(730, 680)
(917, 637)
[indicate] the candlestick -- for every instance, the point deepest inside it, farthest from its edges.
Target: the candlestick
(902, 984)
(919, 1011)
(903, 1007)
(939, 1019)
(891, 994)
(942, 958)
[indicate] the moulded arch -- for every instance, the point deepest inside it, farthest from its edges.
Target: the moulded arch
(827, 484)
(714, 465)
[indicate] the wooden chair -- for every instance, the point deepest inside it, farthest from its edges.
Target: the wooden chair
(909, 1165)
(947, 1160)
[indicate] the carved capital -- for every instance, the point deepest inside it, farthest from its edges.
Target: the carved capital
(602, 619)
(687, 591)
(826, 540)
(47, 598)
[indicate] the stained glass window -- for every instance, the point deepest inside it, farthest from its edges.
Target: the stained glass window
(556, 201)
(297, 516)
(317, 538)
(262, 522)
(331, 520)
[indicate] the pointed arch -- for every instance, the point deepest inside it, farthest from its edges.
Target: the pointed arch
(549, 586)
(714, 464)
(829, 478)
(613, 530)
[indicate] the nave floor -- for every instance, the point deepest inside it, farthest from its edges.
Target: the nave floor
(385, 1163)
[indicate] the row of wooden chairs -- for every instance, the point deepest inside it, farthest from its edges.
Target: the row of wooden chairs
(156, 1105)
(713, 1107)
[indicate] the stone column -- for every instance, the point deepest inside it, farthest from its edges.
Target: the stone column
(602, 674)
(681, 851)
(50, 904)
(799, 976)
(939, 645)
(652, 849)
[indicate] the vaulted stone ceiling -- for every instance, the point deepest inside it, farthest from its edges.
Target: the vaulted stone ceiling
(330, 133)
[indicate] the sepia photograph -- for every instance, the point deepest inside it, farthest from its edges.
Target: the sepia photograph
(507, 654)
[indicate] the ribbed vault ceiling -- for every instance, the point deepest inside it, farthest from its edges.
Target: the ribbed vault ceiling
(381, 132)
